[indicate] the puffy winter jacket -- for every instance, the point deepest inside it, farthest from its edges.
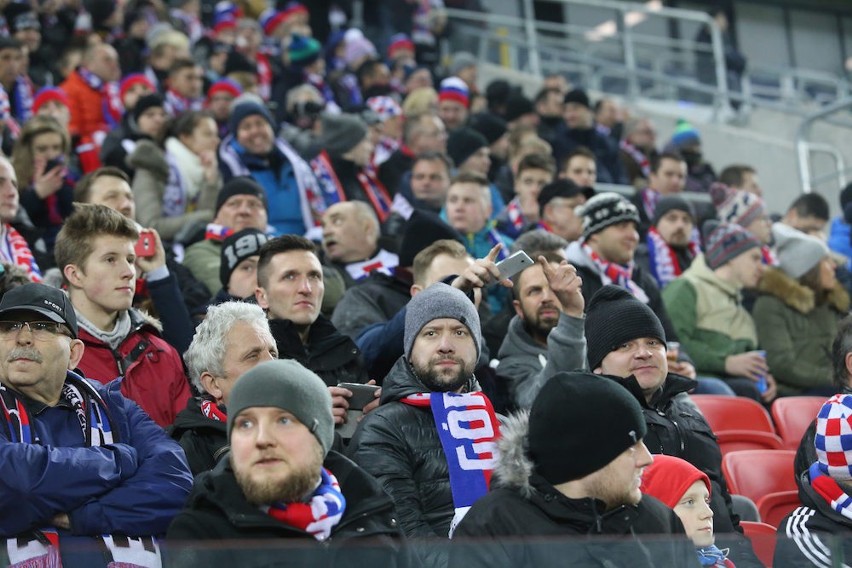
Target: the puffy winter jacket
(203, 439)
(150, 370)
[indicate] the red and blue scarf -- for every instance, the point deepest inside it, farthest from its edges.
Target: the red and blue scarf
(15, 250)
(663, 260)
(320, 514)
(617, 274)
(829, 490)
(468, 429)
(333, 192)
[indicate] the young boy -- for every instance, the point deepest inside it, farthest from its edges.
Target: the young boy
(95, 251)
(686, 489)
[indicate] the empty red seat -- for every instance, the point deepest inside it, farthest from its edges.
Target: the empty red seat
(755, 473)
(737, 440)
(793, 415)
(762, 537)
(733, 413)
(773, 507)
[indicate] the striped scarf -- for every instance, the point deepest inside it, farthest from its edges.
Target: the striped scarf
(40, 548)
(320, 514)
(638, 157)
(664, 262)
(15, 250)
(612, 273)
(829, 490)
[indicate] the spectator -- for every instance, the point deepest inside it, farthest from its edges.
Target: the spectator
(177, 187)
(706, 310)
(15, 83)
(839, 234)
(470, 152)
(637, 150)
(534, 172)
(686, 141)
(464, 66)
(185, 88)
(495, 131)
(547, 483)
(580, 168)
(25, 27)
(389, 127)
(95, 252)
(86, 91)
(147, 122)
(53, 102)
(293, 195)
(233, 338)
(558, 203)
(350, 241)
(220, 95)
(402, 442)
(93, 474)
(672, 242)
(748, 211)
(14, 249)
(546, 335)
(667, 177)
(686, 490)
(113, 151)
(429, 184)
(422, 134)
(453, 103)
(240, 204)
(627, 342)
(608, 119)
(809, 214)
(238, 267)
(823, 490)
(550, 106)
(279, 412)
(797, 313)
(741, 177)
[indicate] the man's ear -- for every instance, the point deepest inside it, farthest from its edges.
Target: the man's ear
(72, 274)
(260, 296)
(598, 371)
(210, 385)
(77, 349)
(415, 289)
(518, 311)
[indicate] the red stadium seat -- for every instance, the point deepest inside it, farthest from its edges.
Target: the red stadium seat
(756, 473)
(793, 415)
(773, 507)
(737, 440)
(733, 413)
(762, 537)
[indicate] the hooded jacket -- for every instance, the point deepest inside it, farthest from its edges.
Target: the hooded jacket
(203, 439)
(523, 506)
(709, 317)
(813, 534)
(399, 445)
(526, 365)
(796, 332)
(151, 370)
(217, 510)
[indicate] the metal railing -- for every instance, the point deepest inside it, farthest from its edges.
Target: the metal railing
(806, 148)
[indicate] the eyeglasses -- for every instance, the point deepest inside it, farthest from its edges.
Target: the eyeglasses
(40, 329)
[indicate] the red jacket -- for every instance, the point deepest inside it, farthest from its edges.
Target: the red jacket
(152, 370)
(87, 106)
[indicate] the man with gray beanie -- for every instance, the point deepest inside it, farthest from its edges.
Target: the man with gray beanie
(342, 165)
(627, 343)
(283, 482)
(572, 466)
(432, 465)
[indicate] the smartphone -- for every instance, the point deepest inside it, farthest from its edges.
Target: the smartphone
(146, 246)
(508, 267)
(58, 161)
(362, 395)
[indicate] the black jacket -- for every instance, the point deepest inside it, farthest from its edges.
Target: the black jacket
(400, 446)
(524, 506)
(217, 510)
(820, 534)
(677, 428)
(204, 440)
(328, 353)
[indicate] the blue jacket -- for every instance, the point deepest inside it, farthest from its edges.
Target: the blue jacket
(134, 486)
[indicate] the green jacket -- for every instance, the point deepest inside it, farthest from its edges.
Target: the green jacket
(796, 332)
(709, 318)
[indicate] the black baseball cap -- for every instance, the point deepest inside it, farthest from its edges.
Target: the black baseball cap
(48, 301)
(562, 188)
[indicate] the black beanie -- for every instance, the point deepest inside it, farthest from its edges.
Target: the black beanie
(236, 62)
(489, 125)
(422, 229)
(240, 185)
(579, 423)
(463, 143)
(236, 248)
(517, 106)
(672, 203)
(146, 102)
(578, 96)
(614, 317)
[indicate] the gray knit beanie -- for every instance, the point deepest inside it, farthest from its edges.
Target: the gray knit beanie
(341, 133)
(797, 252)
(435, 302)
(287, 385)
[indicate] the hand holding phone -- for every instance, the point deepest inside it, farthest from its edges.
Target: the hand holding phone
(146, 246)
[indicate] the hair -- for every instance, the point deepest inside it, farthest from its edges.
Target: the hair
(539, 239)
(367, 69)
(733, 175)
(413, 125)
(87, 222)
(600, 103)
(296, 94)
(812, 280)
(83, 189)
(549, 256)
(424, 259)
(181, 64)
(22, 153)
(166, 40)
(470, 177)
(525, 140)
(186, 122)
(279, 245)
(841, 346)
(578, 151)
(542, 95)
(434, 157)
(207, 350)
(811, 205)
(12, 277)
(537, 161)
(633, 124)
(657, 159)
(419, 102)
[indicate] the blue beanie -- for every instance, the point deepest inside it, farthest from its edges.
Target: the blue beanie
(247, 108)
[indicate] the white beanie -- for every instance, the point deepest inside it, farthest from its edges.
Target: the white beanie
(797, 252)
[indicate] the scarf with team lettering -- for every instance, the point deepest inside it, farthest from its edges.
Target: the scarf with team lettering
(663, 259)
(213, 411)
(468, 429)
(612, 273)
(40, 548)
(333, 191)
(320, 514)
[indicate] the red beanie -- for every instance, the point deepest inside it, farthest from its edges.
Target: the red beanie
(48, 94)
(668, 478)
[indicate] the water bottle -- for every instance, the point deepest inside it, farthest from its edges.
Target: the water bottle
(761, 382)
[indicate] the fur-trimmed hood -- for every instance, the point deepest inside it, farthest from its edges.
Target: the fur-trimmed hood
(514, 467)
(777, 283)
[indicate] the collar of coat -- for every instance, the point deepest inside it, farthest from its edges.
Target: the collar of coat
(777, 283)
